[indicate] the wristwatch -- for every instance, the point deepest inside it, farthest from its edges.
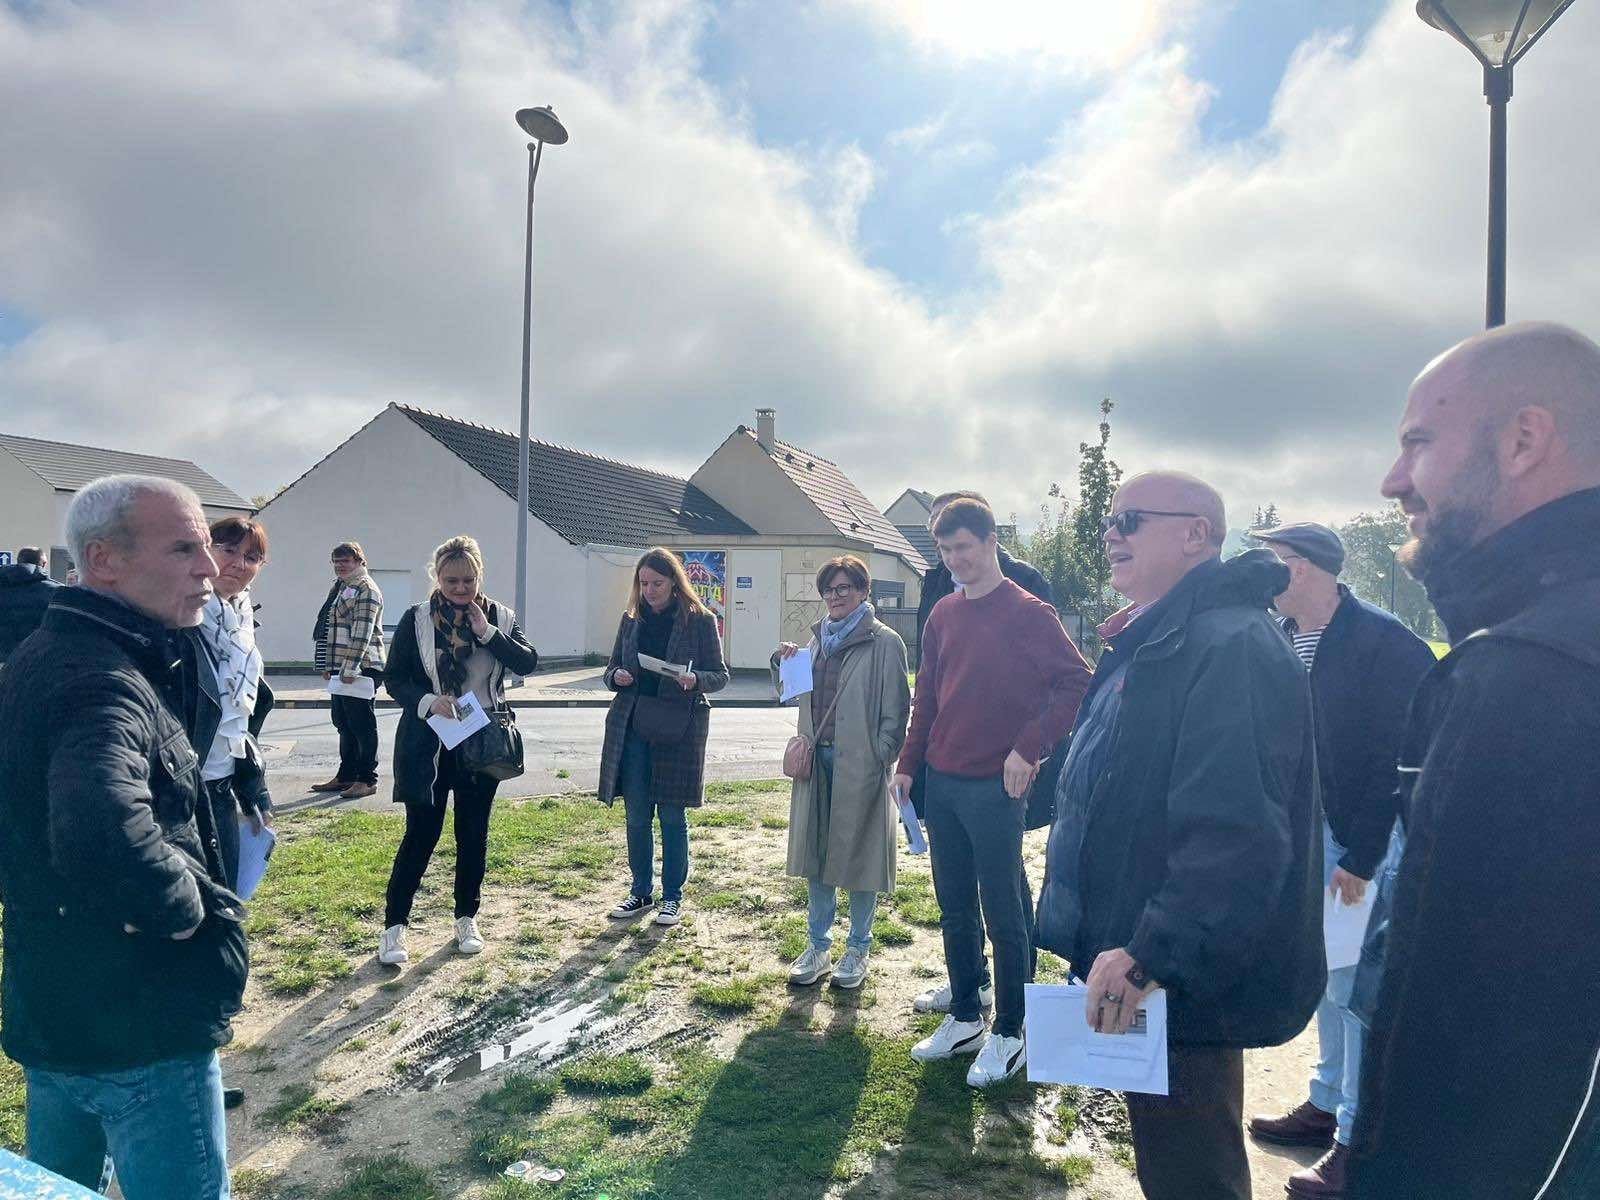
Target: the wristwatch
(1138, 976)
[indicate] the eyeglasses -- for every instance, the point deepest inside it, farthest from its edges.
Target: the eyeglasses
(840, 590)
(1128, 520)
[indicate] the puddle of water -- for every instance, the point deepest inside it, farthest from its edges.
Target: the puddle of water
(538, 1039)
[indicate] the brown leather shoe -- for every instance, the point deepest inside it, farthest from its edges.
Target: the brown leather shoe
(1324, 1180)
(333, 785)
(1304, 1125)
(357, 791)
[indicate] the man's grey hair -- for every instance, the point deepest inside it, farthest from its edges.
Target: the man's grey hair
(102, 511)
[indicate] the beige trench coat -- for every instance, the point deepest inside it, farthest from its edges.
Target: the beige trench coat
(848, 838)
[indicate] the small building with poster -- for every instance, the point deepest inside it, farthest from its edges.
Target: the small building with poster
(753, 524)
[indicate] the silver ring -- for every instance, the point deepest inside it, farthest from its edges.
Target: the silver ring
(1111, 998)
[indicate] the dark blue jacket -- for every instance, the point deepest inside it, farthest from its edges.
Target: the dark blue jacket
(1366, 670)
(1478, 1078)
(25, 593)
(1198, 847)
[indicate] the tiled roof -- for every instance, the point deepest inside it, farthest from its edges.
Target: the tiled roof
(851, 513)
(921, 541)
(583, 497)
(67, 468)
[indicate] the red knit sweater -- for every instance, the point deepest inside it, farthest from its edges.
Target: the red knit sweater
(997, 674)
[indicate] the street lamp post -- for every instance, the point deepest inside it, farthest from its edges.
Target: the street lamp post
(542, 125)
(1499, 33)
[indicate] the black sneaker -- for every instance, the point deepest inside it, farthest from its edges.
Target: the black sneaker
(632, 907)
(669, 912)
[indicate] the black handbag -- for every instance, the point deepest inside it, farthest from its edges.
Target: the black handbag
(660, 721)
(496, 749)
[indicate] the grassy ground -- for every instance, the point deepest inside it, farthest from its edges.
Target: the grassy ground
(714, 1080)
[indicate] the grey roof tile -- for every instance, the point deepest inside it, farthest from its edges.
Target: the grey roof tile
(850, 512)
(67, 467)
(585, 498)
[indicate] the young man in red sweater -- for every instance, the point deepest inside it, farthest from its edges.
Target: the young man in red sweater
(999, 684)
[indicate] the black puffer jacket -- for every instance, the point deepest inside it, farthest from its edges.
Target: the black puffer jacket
(100, 828)
(1478, 1077)
(1200, 847)
(25, 593)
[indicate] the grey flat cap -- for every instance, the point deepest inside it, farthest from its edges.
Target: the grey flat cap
(1317, 544)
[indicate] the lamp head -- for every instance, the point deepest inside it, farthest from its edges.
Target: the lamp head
(1498, 32)
(542, 125)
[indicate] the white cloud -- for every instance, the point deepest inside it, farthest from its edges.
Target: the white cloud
(1082, 36)
(239, 236)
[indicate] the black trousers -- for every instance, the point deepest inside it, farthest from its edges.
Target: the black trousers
(474, 797)
(1189, 1144)
(975, 841)
(357, 723)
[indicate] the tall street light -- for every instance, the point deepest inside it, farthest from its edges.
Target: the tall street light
(1499, 33)
(542, 125)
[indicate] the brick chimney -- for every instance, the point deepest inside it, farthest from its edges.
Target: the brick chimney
(767, 428)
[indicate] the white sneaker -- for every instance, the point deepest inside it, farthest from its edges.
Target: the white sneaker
(937, 1000)
(998, 1061)
(810, 967)
(468, 939)
(852, 969)
(953, 1037)
(392, 946)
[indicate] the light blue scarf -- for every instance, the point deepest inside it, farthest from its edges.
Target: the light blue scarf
(834, 632)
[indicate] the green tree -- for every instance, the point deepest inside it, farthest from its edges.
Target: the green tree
(1066, 546)
(1371, 572)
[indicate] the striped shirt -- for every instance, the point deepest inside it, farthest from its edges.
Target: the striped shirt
(1305, 644)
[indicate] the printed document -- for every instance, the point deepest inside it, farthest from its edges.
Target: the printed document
(1063, 1049)
(364, 688)
(453, 733)
(794, 674)
(254, 850)
(661, 666)
(915, 841)
(1344, 926)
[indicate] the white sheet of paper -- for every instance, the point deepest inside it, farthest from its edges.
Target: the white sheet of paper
(794, 674)
(1344, 926)
(254, 850)
(364, 688)
(1063, 1049)
(661, 666)
(916, 843)
(453, 733)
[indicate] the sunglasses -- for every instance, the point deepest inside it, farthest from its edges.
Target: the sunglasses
(1128, 520)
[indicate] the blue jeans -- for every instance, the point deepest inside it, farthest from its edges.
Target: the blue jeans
(1337, 1081)
(160, 1126)
(634, 779)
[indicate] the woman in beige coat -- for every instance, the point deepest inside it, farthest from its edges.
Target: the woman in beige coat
(841, 822)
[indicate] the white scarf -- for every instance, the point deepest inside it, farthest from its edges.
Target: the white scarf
(229, 629)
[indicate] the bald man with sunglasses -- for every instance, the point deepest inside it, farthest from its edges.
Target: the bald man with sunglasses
(1186, 852)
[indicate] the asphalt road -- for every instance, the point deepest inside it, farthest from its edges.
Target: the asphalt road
(302, 749)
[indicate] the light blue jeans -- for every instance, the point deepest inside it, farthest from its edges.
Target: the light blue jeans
(160, 1126)
(822, 903)
(1337, 1081)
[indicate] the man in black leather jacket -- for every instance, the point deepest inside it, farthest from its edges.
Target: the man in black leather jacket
(1479, 1078)
(124, 950)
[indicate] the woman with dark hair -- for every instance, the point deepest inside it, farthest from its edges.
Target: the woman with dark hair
(456, 641)
(842, 826)
(655, 747)
(232, 772)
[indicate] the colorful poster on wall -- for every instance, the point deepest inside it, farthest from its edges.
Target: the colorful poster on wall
(708, 572)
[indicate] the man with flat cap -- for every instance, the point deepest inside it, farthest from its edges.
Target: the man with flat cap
(1364, 667)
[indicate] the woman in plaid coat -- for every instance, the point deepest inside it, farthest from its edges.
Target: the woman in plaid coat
(655, 747)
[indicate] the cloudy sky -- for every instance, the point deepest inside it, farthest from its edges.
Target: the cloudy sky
(931, 233)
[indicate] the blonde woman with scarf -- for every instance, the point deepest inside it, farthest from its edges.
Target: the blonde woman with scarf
(457, 641)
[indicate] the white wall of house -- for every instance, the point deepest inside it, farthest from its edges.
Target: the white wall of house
(742, 477)
(610, 575)
(27, 508)
(906, 510)
(400, 493)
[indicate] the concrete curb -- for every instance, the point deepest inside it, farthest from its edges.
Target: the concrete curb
(291, 702)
